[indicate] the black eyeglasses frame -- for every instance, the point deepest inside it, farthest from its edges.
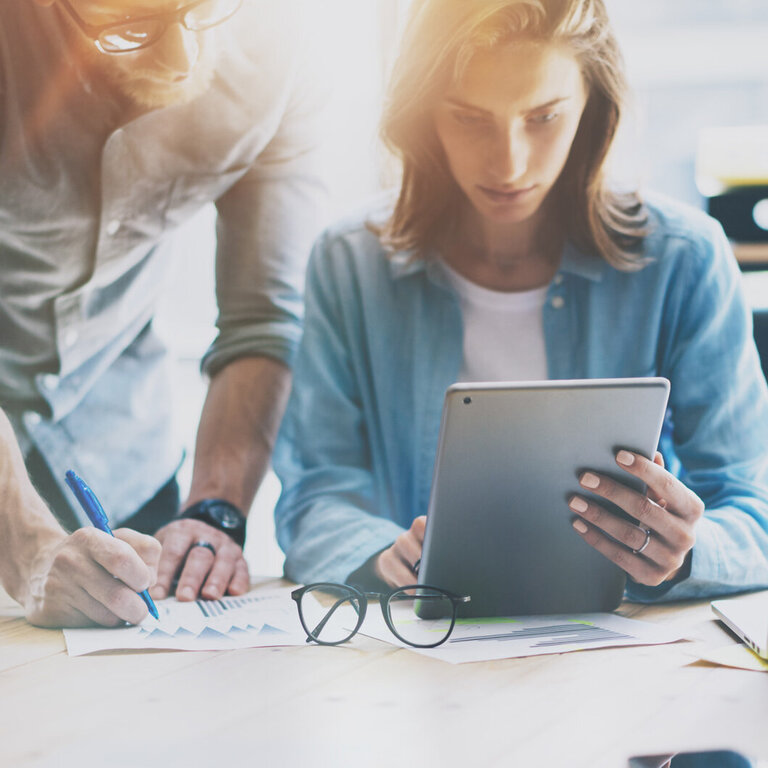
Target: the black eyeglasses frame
(362, 597)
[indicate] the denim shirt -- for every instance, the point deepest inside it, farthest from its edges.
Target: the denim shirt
(87, 196)
(383, 340)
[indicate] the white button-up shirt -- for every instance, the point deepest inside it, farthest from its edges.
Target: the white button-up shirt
(86, 198)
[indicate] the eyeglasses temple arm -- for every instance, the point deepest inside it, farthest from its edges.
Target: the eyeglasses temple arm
(319, 628)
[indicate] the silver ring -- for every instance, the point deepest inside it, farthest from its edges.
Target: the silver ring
(208, 545)
(645, 543)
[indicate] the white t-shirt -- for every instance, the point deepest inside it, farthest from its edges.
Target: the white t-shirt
(503, 332)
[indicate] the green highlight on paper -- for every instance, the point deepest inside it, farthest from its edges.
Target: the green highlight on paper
(488, 620)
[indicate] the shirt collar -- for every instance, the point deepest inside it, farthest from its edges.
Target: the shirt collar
(573, 261)
(576, 262)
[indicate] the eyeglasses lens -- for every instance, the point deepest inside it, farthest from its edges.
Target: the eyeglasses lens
(421, 616)
(330, 613)
(131, 35)
(140, 33)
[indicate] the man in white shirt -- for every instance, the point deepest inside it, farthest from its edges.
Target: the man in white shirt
(118, 121)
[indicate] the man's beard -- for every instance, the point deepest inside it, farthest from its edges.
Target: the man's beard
(146, 88)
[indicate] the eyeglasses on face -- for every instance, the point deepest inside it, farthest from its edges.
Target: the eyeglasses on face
(418, 615)
(131, 34)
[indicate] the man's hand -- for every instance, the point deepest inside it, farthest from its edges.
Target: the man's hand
(200, 570)
(395, 565)
(654, 550)
(89, 577)
(238, 425)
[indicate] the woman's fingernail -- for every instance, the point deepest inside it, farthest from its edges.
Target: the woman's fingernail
(589, 480)
(579, 526)
(187, 593)
(578, 504)
(625, 458)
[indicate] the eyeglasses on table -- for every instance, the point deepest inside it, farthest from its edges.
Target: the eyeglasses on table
(418, 615)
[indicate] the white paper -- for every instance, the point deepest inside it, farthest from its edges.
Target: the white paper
(261, 619)
(734, 655)
(507, 638)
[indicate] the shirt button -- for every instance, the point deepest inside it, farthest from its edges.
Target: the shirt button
(50, 381)
(558, 279)
(113, 227)
(558, 302)
(33, 418)
(70, 337)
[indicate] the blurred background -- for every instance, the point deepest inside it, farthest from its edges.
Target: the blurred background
(696, 67)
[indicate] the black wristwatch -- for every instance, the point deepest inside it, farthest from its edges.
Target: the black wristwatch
(219, 514)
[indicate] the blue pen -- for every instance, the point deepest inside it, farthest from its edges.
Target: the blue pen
(92, 506)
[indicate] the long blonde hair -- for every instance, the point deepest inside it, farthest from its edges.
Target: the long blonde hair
(440, 40)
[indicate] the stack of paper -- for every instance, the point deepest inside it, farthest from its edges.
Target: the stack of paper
(270, 618)
(265, 618)
(514, 637)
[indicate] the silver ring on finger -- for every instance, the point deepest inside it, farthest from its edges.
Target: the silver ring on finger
(206, 545)
(640, 549)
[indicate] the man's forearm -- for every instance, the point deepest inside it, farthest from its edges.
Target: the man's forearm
(237, 431)
(28, 530)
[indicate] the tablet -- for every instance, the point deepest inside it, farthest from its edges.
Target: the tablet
(508, 459)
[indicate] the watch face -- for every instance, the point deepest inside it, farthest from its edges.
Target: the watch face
(226, 517)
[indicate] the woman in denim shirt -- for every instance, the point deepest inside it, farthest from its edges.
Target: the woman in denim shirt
(507, 257)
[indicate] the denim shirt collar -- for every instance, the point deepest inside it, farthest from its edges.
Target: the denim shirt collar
(572, 261)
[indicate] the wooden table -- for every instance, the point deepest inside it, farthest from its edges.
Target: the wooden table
(371, 704)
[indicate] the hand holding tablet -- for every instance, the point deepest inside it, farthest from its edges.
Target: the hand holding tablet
(656, 548)
(512, 456)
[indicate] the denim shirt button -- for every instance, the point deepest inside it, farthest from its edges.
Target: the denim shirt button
(32, 418)
(50, 381)
(558, 302)
(558, 279)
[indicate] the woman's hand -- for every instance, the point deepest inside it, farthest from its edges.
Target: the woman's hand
(654, 550)
(395, 565)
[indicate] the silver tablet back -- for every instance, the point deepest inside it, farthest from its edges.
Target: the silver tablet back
(509, 455)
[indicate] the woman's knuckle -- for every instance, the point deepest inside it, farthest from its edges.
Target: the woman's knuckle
(594, 514)
(620, 557)
(656, 578)
(668, 484)
(645, 509)
(670, 561)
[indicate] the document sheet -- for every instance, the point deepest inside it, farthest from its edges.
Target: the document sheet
(507, 638)
(258, 619)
